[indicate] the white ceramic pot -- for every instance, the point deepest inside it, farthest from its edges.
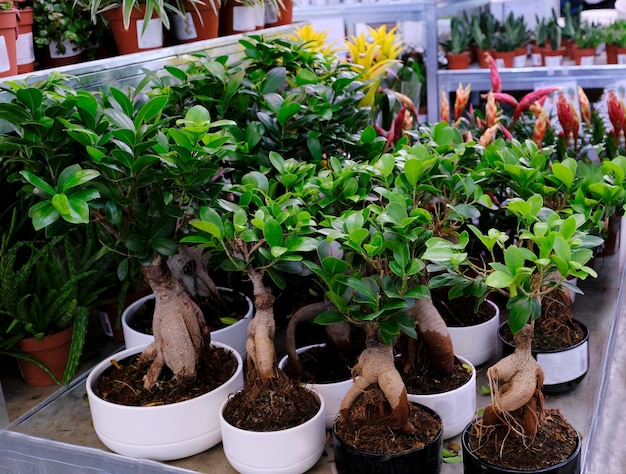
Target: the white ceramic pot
(477, 343)
(332, 393)
(563, 369)
(456, 408)
(233, 335)
(291, 451)
(164, 432)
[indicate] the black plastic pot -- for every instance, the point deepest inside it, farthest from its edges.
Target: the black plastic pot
(472, 464)
(563, 369)
(425, 460)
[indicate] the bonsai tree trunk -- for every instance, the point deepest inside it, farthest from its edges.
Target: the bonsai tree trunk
(260, 341)
(515, 383)
(179, 328)
(376, 366)
(435, 335)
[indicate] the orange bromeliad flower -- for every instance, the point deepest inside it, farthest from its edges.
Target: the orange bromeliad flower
(491, 110)
(488, 136)
(462, 97)
(585, 106)
(540, 128)
(444, 108)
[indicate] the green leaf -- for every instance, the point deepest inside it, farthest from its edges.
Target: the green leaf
(151, 109)
(274, 80)
(38, 183)
(329, 317)
(273, 232)
(287, 111)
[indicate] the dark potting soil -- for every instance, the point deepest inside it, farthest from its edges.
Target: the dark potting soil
(555, 329)
(425, 380)
(217, 317)
(461, 311)
(320, 364)
(368, 426)
(122, 383)
(554, 443)
(281, 405)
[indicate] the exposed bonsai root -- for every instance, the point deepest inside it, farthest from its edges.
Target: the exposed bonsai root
(339, 334)
(260, 341)
(178, 325)
(376, 366)
(516, 382)
(434, 334)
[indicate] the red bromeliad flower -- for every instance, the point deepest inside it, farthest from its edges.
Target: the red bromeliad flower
(565, 113)
(496, 82)
(616, 113)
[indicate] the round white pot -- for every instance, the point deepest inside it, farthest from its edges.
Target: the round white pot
(477, 343)
(291, 451)
(162, 432)
(332, 393)
(563, 369)
(456, 408)
(233, 335)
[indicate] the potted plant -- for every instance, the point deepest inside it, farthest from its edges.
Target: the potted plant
(8, 26)
(510, 42)
(615, 39)
(483, 27)
(62, 32)
(457, 45)
(238, 16)
(554, 55)
(198, 22)
(540, 41)
(24, 43)
(547, 249)
(586, 42)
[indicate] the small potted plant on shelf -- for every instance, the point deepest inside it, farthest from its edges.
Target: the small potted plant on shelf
(62, 32)
(457, 45)
(555, 52)
(615, 39)
(510, 42)
(8, 29)
(586, 42)
(483, 27)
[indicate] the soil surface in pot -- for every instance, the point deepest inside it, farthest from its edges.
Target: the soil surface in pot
(367, 427)
(279, 405)
(217, 316)
(499, 445)
(323, 365)
(122, 383)
(421, 378)
(461, 311)
(555, 329)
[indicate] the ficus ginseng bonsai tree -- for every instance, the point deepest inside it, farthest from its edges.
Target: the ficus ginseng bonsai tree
(545, 249)
(140, 175)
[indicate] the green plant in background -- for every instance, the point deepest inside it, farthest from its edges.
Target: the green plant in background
(483, 26)
(62, 21)
(589, 36)
(615, 33)
(512, 34)
(460, 35)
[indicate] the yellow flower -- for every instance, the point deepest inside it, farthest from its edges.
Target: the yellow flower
(373, 58)
(315, 40)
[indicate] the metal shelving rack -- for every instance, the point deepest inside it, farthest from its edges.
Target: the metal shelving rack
(416, 10)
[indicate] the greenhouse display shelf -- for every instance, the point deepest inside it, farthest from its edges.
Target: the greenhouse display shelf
(57, 436)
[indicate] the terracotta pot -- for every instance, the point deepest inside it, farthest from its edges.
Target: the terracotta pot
(583, 57)
(472, 464)
(504, 59)
(53, 351)
(480, 57)
(197, 25)
(259, 15)
(424, 460)
(458, 61)
(278, 18)
(8, 41)
(110, 316)
(236, 18)
(553, 57)
(132, 40)
(25, 44)
(563, 369)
